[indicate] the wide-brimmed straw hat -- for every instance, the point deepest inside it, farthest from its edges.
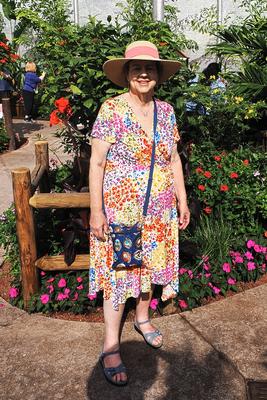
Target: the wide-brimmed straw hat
(140, 50)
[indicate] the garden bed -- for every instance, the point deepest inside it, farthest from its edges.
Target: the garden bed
(96, 313)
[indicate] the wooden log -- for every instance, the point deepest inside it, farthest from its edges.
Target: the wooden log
(8, 123)
(56, 263)
(25, 232)
(42, 158)
(36, 176)
(60, 200)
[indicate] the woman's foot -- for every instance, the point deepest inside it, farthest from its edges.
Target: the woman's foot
(152, 335)
(113, 368)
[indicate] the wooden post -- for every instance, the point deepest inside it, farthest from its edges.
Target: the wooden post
(25, 232)
(8, 123)
(42, 158)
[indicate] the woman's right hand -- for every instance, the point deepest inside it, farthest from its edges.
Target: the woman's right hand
(98, 225)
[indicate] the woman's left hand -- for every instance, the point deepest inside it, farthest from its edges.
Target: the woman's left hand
(184, 215)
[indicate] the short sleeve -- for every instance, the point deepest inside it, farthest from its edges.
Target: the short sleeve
(104, 125)
(174, 128)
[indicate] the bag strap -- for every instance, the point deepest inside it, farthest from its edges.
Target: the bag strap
(150, 178)
(152, 160)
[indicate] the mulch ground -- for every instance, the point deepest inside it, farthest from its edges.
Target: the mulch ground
(96, 314)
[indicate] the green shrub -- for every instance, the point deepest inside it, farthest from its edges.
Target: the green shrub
(233, 183)
(3, 138)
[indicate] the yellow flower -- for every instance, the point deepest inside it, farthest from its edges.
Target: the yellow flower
(216, 91)
(212, 77)
(238, 99)
(194, 95)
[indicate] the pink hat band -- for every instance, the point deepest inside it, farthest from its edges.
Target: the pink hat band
(141, 51)
(144, 51)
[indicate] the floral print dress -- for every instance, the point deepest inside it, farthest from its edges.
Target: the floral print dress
(124, 189)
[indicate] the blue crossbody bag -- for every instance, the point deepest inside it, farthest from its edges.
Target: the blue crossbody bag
(127, 240)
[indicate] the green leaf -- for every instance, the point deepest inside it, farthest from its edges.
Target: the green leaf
(88, 103)
(75, 90)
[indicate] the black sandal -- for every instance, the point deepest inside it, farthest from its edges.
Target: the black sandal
(111, 371)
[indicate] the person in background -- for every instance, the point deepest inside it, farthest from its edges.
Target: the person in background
(31, 82)
(5, 87)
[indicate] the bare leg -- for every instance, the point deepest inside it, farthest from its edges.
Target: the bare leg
(142, 314)
(112, 339)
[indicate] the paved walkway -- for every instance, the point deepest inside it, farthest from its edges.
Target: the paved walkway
(210, 353)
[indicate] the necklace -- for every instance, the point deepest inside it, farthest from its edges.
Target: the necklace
(143, 112)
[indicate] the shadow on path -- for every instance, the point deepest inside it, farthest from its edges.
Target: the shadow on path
(163, 375)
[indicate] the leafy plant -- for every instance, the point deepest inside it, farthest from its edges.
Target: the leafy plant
(3, 137)
(230, 183)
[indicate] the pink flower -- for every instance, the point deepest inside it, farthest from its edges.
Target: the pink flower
(66, 293)
(239, 259)
(75, 297)
(91, 297)
(231, 281)
(250, 243)
(216, 290)
(207, 275)
(44, 298)
(190, 273)
(263, 267)
(50, 280)
(62, 283)
(206, 266)
(50, 288)
(251, 266)
(182, 304)
(234, 253)
(61, 296)
(258, 248)
(249, 255)
(80, 287)
(43, 273)
(153, 304)
(79, 279)
(226, 267)
(182, 271)
(205, 258)
(13, 292)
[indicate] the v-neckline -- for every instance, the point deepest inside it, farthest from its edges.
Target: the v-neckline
(150, 137)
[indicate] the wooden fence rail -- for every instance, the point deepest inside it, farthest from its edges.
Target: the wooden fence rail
(25, 199)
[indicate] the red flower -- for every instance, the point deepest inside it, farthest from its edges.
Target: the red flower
(54, 119)
(201, 187)
(3, 61)
(246, 162)
(219, 166)
(233, 175)
(224, 188)
(207, 174)
(14, 56)
(5, 46)
(199, 170)
(207, 210)
(217, 158)
(62, 105)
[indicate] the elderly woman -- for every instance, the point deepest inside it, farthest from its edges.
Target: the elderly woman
(122, 141)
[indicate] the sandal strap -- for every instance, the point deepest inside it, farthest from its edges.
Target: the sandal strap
(115, 370)
(109, 353)
(151, 336)
(142, 322)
